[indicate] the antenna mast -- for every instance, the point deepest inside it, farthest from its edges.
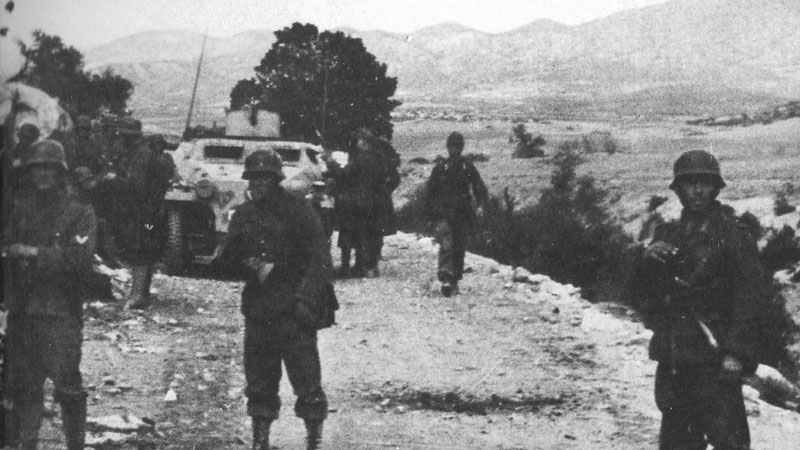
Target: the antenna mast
(194, 88)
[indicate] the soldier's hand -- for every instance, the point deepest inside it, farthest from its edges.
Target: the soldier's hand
(263, 271)
(731, 367)
(660, 251)
(259, 267)
(20, 251)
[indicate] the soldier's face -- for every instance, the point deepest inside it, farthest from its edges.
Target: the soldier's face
(263, 186)
(454, 151)
(697, 193)
(44, 177)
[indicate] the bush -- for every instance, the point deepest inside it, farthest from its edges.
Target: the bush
(782, 205)
(781, 251)
(527, 146)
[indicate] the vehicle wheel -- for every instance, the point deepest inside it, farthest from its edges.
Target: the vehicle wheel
(175, 254)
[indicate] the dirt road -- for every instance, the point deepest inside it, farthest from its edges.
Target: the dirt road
(506, 365)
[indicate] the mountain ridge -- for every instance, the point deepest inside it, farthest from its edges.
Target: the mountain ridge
(735, 44)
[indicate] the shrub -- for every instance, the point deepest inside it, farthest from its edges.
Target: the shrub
(527, 146)
(781, 251)
(782, 205)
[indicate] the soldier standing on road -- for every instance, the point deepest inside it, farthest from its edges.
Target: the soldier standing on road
(277, 244)
(358, 185)
(451, 188)
(49, 243)
(386, 220)
(140, 185)
(703, 289)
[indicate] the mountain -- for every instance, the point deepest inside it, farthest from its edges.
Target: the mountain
(717, 50)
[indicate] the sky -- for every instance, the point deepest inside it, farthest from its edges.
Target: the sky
(88, 23)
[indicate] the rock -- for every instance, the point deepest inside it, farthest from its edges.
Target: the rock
(105, 439)
(170, 396)
(521, 275)
(125, 423)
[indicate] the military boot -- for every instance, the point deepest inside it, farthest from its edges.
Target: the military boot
(261, 433)
(73, 416)
(139, 297)
(313, 434)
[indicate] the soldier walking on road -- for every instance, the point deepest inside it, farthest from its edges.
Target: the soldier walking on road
(277, 244)
(48, 243)
(451, 188)
(703, 290)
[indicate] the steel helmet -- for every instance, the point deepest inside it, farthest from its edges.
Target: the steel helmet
(263, 162)
(456, 140)
(46, 151)
(697, 162)
(29, 131)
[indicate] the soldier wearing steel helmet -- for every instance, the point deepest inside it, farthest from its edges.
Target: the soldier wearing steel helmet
(703, 288)
(48, 245)
(277, 244)
(453, 185)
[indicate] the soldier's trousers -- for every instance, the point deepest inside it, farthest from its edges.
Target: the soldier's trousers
(265, 347)
(452, 238)
(699, 407)
(39, 348)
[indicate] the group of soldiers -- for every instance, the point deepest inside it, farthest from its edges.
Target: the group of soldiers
(60, 194)
(700, 279)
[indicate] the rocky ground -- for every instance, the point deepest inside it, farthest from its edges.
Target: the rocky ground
(516, 361)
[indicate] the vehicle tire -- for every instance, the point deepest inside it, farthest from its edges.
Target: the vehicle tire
(175, 251)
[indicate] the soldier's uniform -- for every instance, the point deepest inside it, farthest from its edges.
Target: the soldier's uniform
(703, 304)
(450, 190)
(138, 191)
(386, 221)
(358, 185)
(282, 313)
(45, 304)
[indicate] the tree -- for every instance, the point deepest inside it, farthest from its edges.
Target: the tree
(57, 69)
(246, 91)
(324, 85)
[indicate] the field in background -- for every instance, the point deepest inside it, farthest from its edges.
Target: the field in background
(756, 160)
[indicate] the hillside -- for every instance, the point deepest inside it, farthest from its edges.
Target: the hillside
(718, 51)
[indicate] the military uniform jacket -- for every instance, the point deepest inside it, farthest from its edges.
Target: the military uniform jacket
(716, 280)
(64, 230)
(450, 189)
(286, 231)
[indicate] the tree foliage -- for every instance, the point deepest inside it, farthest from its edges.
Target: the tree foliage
(324, 85)
(57, 69)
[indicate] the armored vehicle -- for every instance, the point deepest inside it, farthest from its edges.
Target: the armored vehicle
(209, 187)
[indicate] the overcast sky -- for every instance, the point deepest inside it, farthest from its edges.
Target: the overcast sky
(86, 23)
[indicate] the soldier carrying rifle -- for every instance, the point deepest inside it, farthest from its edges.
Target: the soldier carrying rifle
(703, 287)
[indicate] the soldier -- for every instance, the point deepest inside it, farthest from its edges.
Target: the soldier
(88, 152)
(450, 190)
(277, 244)
(49, 243)
(703, 288)
(358, 185)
